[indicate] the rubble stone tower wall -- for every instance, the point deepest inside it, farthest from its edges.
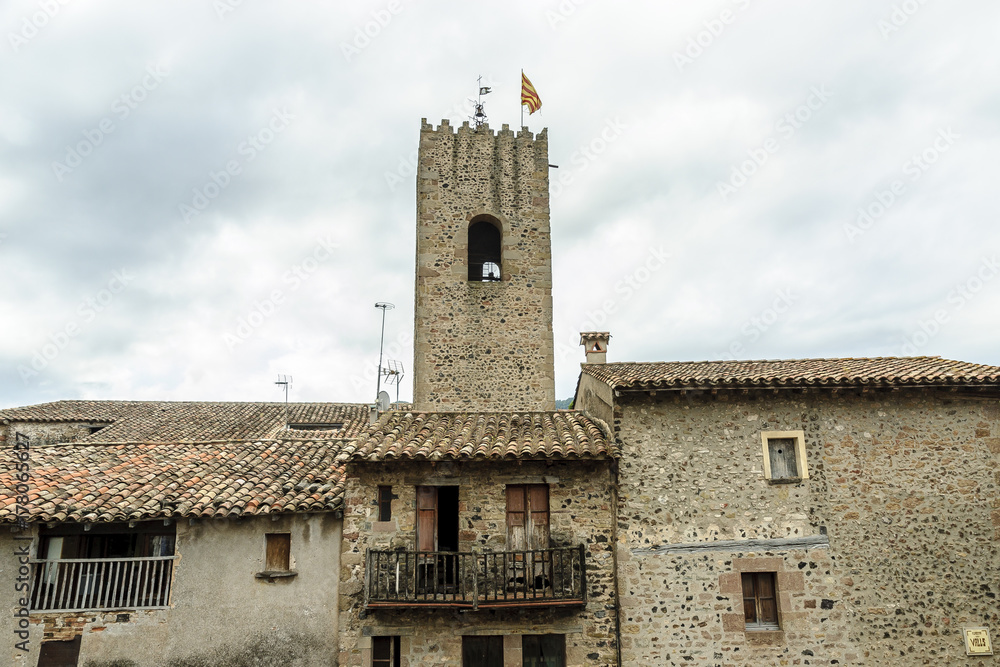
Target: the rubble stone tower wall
(483, 345)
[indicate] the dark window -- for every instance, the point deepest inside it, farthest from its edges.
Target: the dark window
(482, 651)
(781, 454)
(384, 503)
(385, 651)
(484, 251)
(760, 601)
(279, 546)
(543, 650)
(59, 654)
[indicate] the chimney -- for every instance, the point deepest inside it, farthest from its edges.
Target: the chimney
(595, 344)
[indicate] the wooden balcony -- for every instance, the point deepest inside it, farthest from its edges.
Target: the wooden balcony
(92, 584)
(540, 577)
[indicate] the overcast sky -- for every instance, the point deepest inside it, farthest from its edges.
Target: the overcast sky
(198, 196)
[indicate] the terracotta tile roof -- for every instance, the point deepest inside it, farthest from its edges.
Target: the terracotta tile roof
(887, 371)
(174, 421)
(123, 482)
(482, 435)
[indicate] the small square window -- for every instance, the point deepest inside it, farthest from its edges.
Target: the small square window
(784, 456)
(384, 503)
(385, 652)
(760, 601)
(278, 552)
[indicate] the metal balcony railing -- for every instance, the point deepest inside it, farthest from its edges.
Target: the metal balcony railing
(92, 584)
(537, 577)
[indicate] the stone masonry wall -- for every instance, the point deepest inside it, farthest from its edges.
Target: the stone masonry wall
(483, 345)
(580, 502)
(903, 485)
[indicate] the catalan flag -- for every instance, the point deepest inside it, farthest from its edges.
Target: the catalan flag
(528, 95)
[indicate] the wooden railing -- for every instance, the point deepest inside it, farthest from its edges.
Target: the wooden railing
(86, 584)
(538, 577)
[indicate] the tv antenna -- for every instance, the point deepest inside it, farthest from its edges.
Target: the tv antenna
(286, 381)
(479, 118)
(393, 373)
(384, 306)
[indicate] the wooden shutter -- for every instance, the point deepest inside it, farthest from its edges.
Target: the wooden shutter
(59, 654)
(527, 516)
(279, 547)
(517, 517)
(384, 503)
(482, 651)
(760, 600)
(427, 518)
(781, 452)
(538, 508)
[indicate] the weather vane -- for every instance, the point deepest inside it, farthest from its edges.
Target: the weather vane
(479, 118)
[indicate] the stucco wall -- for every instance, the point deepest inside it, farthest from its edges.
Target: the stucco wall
(220, 613)
(904, 486)
(580, 502)
(483, 345)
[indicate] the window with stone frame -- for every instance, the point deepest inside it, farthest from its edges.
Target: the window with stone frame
(760, 601)
(784, 456)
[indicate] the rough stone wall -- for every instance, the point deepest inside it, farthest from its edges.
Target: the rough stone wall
(220, 614)
(45, 433)
(580, 506)
(483, 345)
(903, 485)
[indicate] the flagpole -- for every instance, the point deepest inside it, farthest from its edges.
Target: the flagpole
(522, 103)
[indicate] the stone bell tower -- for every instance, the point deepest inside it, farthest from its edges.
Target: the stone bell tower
(483, 312)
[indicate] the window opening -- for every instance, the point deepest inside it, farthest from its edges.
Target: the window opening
(60, 653)
(543, 650)
(279, 548)
(385, 652)
(760, 601)
(784, 456)
(482, 651)
(384, 503)
(484, 252)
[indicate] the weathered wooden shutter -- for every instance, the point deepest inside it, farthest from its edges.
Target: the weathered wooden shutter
(482, 651)
(279, 547)
(538, 507)
(427, 518)
(517, 518)
(527, 516)
(385, 652)
(781, 452)
(60, 654)
(760, 602)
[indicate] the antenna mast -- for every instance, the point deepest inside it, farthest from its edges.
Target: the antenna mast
(384, 305)
(285, 380)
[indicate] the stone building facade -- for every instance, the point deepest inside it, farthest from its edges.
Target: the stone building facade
(483, 322)
(882, 545)
(494, 581)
